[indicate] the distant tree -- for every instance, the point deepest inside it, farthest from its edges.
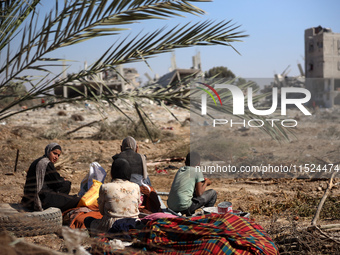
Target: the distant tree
(219, 72)
(11, 92)
(242, 81)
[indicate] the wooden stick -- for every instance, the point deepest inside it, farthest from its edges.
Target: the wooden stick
(258, 183)
(86, 125)
(331, 229)
(178, 159)
(16, 161)
(329, 226)
(323, 199)
(336, 240)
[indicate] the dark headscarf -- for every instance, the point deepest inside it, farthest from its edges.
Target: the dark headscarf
(121, 169)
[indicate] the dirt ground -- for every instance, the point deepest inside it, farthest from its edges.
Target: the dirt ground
(279, 205)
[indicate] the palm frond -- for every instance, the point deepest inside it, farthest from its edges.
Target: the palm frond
(80, 21)
(74, 22)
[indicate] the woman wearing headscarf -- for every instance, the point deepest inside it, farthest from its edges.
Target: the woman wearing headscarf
(129, 151)
(139, 174)
(44, 186)
(117, 199)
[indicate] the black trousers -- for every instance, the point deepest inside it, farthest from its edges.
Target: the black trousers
(60, 200)
(207, 199)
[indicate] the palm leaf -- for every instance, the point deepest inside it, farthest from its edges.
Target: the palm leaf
(77, 21)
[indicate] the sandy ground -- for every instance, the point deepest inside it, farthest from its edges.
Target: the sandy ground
(267, 200)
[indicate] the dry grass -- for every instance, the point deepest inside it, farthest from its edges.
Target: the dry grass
(295, 238)
(301, 204)
(331, 132)
(53, 133)
(218, 146)
(25, 131)
(58, 128)
(123, 127)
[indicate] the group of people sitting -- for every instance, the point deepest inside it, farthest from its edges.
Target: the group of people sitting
(129, 192)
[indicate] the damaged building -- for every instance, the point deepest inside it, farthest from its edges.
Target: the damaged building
(322, 69)
(322, 66)
(109, 79)
(176, 75)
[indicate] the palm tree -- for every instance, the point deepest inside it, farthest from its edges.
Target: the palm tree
(28, 44)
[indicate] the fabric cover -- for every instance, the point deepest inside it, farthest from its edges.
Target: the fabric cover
(208, 234)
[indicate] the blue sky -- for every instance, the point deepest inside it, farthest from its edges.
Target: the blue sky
(275, 29)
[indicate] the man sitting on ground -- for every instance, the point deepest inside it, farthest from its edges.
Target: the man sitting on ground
(188, 192)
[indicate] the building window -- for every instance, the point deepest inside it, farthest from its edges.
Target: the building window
(311, 46)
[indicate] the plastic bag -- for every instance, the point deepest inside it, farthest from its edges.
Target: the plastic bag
(91, 196)
(96, 172)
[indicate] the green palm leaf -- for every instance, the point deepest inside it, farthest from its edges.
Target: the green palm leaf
(74, 22)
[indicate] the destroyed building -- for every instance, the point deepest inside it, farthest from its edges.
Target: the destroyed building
(176, 75)
(322, 69)
(322, 66)
(119, 79)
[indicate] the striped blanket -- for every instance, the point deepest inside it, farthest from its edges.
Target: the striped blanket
(208, 234)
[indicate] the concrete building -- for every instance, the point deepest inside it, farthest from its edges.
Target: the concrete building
(322, 66)
(103, 82)
(178, 75)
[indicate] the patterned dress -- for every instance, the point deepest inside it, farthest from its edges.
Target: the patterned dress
(117, 199)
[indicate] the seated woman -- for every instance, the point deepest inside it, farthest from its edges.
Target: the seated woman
(117, 199)
(129, 151)
(44, 186)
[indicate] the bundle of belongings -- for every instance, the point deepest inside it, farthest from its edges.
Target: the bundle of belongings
(208, 234)
(88, 204)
